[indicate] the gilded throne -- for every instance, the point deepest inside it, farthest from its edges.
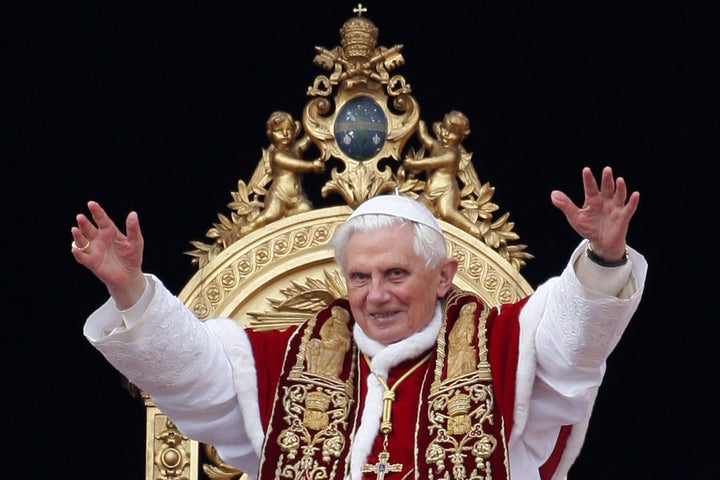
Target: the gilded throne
(361, 134)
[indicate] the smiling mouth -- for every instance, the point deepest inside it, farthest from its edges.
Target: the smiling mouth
(384, 315)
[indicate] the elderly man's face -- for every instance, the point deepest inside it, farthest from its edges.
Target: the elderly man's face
(392, 295)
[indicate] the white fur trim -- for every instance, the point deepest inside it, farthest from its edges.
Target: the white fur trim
(530, 316)
(239, 352)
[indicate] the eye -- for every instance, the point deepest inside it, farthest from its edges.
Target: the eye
(396, 274)
(358, 279)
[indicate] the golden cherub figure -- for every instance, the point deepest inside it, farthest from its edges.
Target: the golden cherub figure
(447, 160)
(284, 166)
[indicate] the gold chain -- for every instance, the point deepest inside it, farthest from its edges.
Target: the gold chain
(389, 395)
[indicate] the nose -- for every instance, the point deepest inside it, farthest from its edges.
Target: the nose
(377, 290)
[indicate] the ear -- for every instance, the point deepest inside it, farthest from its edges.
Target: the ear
(447, 271)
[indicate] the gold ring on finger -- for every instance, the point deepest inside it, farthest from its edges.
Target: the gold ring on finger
(83, 248)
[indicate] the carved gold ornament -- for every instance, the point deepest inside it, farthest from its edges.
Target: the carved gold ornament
(367, 125)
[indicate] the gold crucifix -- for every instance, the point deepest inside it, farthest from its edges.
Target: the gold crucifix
(360, 10)
(382, 467)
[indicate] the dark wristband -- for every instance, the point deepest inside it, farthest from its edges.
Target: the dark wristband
(595, 258)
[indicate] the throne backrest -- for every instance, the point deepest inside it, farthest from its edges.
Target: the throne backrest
(267, 264)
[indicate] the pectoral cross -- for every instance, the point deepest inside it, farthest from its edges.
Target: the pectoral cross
(382, 467)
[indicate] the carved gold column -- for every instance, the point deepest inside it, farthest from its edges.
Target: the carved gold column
(169, 455)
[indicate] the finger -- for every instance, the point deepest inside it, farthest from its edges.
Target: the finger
(80, 247)
(79, 255)
(620, 192)
(79, 242)
(589, 184)
(632, 205)
(607, 185)
(132, 228)
(101, 218)
(86, 227)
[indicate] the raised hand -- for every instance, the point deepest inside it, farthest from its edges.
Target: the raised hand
(605, 214)
(115, 258)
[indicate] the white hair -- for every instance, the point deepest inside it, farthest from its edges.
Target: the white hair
(427, 242)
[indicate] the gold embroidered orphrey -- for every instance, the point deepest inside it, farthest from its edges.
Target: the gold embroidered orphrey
(282, 273)
(461, 406)
(314, 404)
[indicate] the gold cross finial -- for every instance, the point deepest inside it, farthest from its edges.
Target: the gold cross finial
(359, 9)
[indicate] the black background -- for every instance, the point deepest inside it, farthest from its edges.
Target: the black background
(161, 109)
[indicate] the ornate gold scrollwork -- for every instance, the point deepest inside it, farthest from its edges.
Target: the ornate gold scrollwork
(362, 118)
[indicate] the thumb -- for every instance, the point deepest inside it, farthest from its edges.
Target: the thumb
(560, 200)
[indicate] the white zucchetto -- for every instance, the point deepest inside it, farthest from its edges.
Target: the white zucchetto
(397, 206)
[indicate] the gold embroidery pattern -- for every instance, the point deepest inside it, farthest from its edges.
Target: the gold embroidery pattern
(461, 405)
(459, 430)
(316, 402)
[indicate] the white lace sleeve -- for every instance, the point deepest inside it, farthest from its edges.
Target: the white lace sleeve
(179, 361)
(567, 332)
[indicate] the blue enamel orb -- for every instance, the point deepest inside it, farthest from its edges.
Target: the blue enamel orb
(361, 128)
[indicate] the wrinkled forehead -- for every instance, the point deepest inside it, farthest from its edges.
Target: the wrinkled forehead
(391, 245)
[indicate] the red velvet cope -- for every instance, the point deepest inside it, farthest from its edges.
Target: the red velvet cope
(503, 350)
(269, 352)
(503, 347)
